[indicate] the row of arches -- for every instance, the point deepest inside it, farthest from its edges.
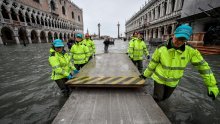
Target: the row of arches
(8, 36)
(35, 17)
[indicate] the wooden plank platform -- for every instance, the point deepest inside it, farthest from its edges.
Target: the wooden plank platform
(108, 70)
(110, 106)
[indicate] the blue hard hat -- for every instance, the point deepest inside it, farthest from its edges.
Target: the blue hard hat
(58, 43)
(79, 35)
(183, 31)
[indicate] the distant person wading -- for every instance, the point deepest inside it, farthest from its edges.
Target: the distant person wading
(106, 44)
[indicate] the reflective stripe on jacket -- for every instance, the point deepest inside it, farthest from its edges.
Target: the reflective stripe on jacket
(61, 65)
(168, 64)
(90, 44)
(80, 53)
(137, 48)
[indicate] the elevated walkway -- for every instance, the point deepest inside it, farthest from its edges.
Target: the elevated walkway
(102, 96)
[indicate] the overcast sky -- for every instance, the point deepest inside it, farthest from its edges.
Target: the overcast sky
(108, 13)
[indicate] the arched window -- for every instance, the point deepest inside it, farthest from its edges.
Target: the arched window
(63, 10)
(79, 18)
(4, 13)
(73, 15)
(52, 5)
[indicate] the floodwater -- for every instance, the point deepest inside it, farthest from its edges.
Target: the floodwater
(28, 95)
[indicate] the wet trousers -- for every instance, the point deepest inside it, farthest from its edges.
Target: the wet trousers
(79, 66)
(106, 48)
(63, 87)
(139, 65)
(162, 92)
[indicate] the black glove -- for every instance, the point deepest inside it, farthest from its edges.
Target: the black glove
(142, 76)
(212, 95)
(148, 57)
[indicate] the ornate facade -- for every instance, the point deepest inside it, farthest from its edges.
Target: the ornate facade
(157, 19)
(38, 21)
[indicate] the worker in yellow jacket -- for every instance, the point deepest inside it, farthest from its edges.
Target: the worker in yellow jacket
(61, 66)
(137, 49)
(133, 38)
(169, 61)
(80, 52)
(90, 44)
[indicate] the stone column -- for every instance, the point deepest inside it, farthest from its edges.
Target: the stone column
(29, 39)
(168, 7)
(39, 17)
(38, 36)
(16, 36)
(29, 14)
(1, 16)
(1, 42)
(159, 32)
(11, 20)
(17, 15)
(152, 15)
(24, 16)
(164, 12)
(165, 30)
(161, 10)
(176, 5)
(46, 35)
(16, 39)
(63, 36)
(156, 12)
(154, 34)
(180, 4)
(173, 28)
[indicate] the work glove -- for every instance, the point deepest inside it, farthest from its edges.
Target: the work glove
(75, 71)
(69, 77)
(148, 56)
(213, 92)
(142, 77)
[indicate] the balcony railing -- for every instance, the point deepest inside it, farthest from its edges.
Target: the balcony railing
(33, 25)
(7, 20)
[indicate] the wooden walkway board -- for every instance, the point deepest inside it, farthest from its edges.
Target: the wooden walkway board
(110, 106)
(108, 70)
(106, 81)
(109, 65)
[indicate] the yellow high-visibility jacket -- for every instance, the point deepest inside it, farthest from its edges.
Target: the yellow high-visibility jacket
(137, 48)
(61, 65)
(91, 45)
(80, 53)
(168, 64)
(130, 49)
